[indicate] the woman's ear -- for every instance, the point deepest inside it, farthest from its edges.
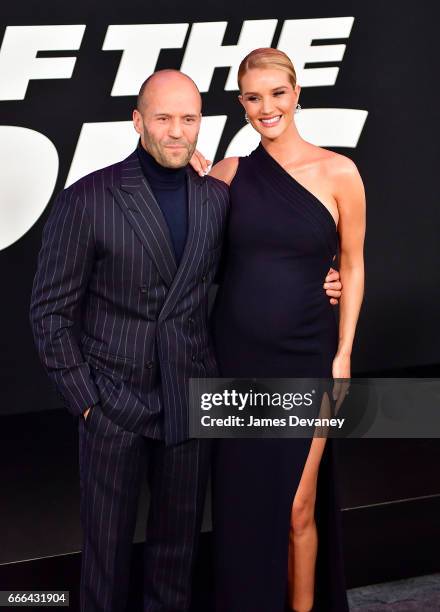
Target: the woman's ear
(240, 98)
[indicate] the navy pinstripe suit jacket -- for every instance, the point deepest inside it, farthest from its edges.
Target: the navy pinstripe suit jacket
(115, 319)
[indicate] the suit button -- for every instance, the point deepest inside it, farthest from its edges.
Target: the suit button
(204, 277)
(191, 321)
(149, 364)
(194, 357)
(143, 288)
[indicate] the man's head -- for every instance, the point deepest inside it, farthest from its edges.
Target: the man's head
(167, 117)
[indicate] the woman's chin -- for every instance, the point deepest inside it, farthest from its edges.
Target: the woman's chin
(271, 133)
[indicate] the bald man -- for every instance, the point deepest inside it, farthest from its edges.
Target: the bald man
(119, 312)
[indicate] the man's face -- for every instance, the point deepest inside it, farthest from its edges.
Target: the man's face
(168, 121)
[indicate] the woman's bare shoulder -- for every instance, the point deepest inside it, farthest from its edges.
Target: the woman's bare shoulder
(336, 163)
(348, 187)
(225, 169)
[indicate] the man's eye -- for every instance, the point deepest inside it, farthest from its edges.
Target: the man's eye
(190, 119)
(279, 93)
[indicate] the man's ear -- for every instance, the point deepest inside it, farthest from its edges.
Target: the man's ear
(137, 121)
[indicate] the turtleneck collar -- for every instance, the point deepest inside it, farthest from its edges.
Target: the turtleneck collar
(160, 177)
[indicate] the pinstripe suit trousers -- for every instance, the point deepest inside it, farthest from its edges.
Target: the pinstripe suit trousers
(110, 478)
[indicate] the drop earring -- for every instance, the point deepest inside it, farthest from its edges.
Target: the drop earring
(246, 118)
(298, 108)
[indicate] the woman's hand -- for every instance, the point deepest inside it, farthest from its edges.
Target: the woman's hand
(199, 163)
(341, 372)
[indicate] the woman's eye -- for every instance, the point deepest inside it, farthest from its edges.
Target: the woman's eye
(252, 99)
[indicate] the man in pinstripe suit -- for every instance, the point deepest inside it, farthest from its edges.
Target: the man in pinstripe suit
(120, 323)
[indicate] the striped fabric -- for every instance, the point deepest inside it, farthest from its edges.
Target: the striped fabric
(115, 319)
(121, 327)
(111, 466)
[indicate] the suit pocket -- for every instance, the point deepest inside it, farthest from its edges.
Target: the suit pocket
(90, 416)
(114, 366)
(99, 424)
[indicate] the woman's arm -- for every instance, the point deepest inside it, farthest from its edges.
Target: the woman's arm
(223, 170)
(350, 197)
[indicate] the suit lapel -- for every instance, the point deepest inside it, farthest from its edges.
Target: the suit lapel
(195, 242)
(143, 213)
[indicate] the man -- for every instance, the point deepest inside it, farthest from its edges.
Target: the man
(119, 312)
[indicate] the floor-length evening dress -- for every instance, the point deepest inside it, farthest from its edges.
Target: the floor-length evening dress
(272, 319)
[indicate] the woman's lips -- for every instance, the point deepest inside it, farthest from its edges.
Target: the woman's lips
(271, 121)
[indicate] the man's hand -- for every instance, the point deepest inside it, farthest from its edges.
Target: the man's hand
(85, 413)
(199, 163)
(333, 286)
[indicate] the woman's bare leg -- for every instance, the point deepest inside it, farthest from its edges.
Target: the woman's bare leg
(303, 541)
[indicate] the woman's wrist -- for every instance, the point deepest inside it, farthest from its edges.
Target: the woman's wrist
(344, 351)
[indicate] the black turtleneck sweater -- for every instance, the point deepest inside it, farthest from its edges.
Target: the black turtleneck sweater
(169, 188)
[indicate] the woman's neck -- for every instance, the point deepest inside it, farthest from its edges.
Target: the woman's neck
(286, 147)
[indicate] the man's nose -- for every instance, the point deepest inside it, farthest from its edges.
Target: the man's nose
(175, 129)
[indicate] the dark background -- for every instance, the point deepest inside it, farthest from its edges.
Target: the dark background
(388, 70)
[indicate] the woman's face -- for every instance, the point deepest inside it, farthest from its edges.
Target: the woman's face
(269, 100)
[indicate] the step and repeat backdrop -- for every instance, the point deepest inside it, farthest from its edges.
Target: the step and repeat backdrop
(69, 76)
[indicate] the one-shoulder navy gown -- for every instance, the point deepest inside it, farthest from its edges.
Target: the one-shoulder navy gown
(272, 319)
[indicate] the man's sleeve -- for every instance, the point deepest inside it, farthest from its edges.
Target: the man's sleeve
(64, 265)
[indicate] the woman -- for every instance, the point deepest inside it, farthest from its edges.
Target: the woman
(277, 530)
